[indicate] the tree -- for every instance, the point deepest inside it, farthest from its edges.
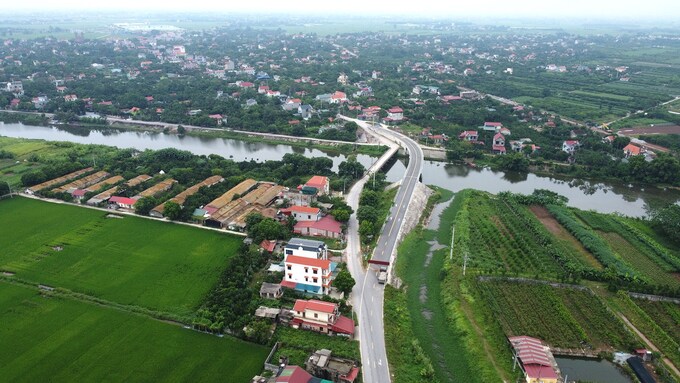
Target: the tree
(344, 281)
(351, 169)
(668, 219)
(267, 229)
(144, 205)
(172, 210)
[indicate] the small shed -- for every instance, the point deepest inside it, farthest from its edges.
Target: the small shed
(270, 290)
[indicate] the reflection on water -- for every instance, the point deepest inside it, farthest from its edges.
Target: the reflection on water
(141, 140)
(591, 370)
(606, 197)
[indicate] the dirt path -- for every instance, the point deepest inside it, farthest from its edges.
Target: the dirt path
(560, 232)
(649, 344)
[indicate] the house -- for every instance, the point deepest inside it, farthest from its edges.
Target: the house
(268, 245)
(632, 150)
(395, 113)
(307, 267)
(295, 374)
(79, 194)
(325, 227)
(292, 104)
(302, 213)
(323, 364)
(609, 139)
(343, 79)
(570, 146)
(15, 87)
(321, 183)
(70, 98)
(40, 101)
(439, 138)
(305, 111)
(469, 135)
(338, 97)
(643, 353)
(270, 290)
(535, 359)
(219, 119)
(122, 202)
(322, 317)
(498, 145)
(504, 131)
(492, 126)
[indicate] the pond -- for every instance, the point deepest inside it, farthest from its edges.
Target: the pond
(142, 140)
(591, 370)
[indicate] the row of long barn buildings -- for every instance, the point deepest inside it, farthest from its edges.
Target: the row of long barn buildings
(228, 211)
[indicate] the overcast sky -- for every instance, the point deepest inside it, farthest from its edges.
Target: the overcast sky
(629, 9)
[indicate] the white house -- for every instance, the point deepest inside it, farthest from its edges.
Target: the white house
(469, 135)
(395, 113)
(306, 266)
(303, 213)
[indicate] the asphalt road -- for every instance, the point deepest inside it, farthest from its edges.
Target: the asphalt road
(367, 294)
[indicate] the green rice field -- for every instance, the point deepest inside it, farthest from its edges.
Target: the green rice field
(130, 261)
(49, 339)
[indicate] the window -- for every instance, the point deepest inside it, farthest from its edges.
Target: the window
(315, 271)
(306, 279)
(290, 276)
(289, 267)
(289, 252)
(306, 269)
(309, 217)
(316, 315)
(316, 280)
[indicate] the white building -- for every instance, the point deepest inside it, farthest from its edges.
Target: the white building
(306, 266)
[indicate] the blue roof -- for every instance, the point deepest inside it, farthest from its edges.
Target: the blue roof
(307, 288)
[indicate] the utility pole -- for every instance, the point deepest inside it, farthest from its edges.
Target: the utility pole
(465, 259)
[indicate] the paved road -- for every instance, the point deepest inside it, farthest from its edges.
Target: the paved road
(367, 294)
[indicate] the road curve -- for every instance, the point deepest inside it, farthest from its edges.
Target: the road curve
(367, 294)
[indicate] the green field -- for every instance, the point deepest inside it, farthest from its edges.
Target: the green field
(49, 339)
(563, 317)
(130, 260)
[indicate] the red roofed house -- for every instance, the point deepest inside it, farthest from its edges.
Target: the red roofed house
(321, 183)
(395, 113)
(469, 135)
(268, 245)
(295, 374)
(632, 150)
(535, 359)
(498, 146)
(325, 227)
(122, 202)
(321, 316)
(218, 118)
(492, 126)
(303, 213)
(338, 97)
(570, 146)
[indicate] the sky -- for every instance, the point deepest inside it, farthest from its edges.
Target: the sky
(591, 9)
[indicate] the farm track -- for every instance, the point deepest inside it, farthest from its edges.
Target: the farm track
(649, 343)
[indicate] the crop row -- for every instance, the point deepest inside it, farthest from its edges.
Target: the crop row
(591, 241)
(642, 241)
(561, 316)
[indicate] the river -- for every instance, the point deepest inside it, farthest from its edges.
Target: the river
(142, 140)
(607, 197)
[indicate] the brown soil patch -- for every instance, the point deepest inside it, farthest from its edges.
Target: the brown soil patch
(561, 233)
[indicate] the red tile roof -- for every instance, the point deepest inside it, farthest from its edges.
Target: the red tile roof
(327, 223)
(268, 245)
(487, 123)
(313, 262)
(396, 109)
(122, 200)
(318, 182)
(301, 209)
(343, 325)
(294, 374)
(316, 305)
(632, 149)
